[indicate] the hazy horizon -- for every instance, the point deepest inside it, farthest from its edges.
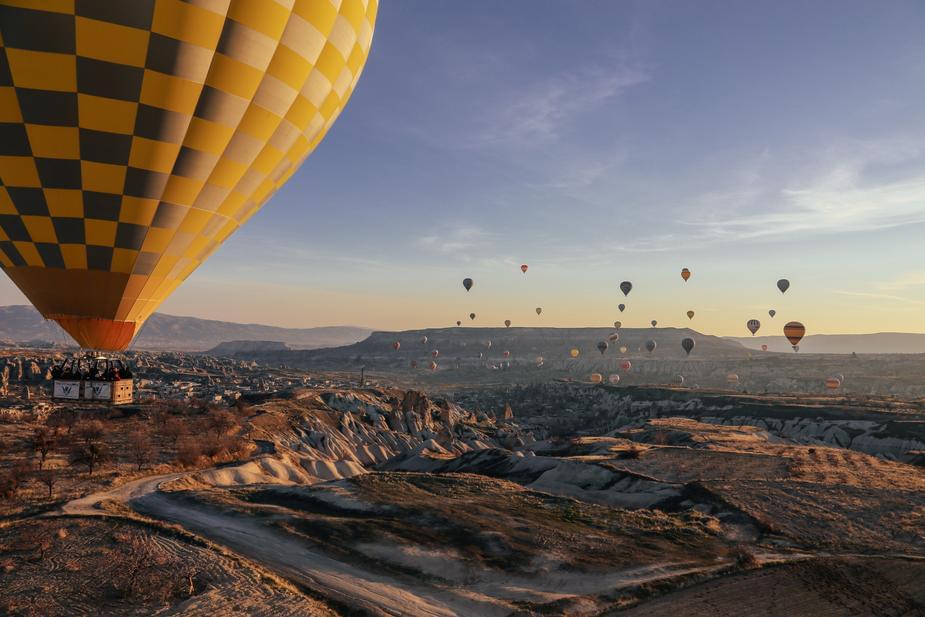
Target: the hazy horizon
(622, 141)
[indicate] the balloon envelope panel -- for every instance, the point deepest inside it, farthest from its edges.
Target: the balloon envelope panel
(135, 137)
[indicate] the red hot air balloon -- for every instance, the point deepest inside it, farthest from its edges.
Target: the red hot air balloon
(396, 345)
(523, 268)
(506, 354)
(626, 365)
(435, 353)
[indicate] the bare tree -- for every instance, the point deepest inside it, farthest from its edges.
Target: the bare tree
(42, 441)
(140, 447)
(188, 452)
(90, 456)
(220, 421)
(14, 478)
(49, 477)
(173, 429)
(88, 449)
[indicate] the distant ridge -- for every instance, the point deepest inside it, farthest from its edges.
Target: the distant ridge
(23, 324)
(880, 342)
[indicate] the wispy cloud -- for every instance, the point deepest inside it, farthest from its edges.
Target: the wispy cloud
(846, 196)
(539, 112)
(908, 280)
(455, 240)
(878, 296)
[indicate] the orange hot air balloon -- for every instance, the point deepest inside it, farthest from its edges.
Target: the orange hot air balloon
(574, 353)
(833, 383)
(626, 365)
(507, 323)
(690, 314)
(396, 345)
(141, 135)
(433, 365)
(685, 274)
(596, 378)
(732, 378)
(794, 331)
(523, 268)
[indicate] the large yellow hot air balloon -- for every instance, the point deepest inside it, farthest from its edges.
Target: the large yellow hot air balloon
(135, 137)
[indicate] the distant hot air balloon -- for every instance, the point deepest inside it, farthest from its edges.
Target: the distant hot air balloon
(690, 314)
(539, 360)
(614, 379)
(626, 365)
(174, 151)
(685, 274)
(613, 338)
(753, 325)
(622, 307)
(506, 354)
(458, 323)
(618, 324)
(539, 310)
(794, 331)
(764, 348)
(507, 323)
(832, 383)
(467, 283)
(435, 353)
(623, 349)
(732, 378)
(574, 352)
(481, 355)
(523, 268)
(680, 380)
(626, 287)
(396, 345)
(472, 316)
(433, 365)
(783, 285)
(602, 347)
(651, 345)
(687, 345)
(654, 323)
(423, 340)
(596, 378)
(414, 364)
(772, 313)
(840, 377)
(796, 348)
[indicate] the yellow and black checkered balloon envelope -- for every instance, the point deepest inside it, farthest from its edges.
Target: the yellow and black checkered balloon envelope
(137, 135)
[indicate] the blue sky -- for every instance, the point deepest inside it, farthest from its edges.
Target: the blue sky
(600, 141)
